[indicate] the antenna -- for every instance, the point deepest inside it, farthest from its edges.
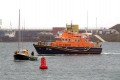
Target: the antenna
(71, 27)
(96, 25)
(96, 22)
(19, 32)
(10, 25)
(22, 37)
(87, 22)
(24, 24)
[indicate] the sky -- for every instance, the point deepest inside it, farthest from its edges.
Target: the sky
(45, 14)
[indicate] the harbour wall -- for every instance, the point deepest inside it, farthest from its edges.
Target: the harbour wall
(109, 35)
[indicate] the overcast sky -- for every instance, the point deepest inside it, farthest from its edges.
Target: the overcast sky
(45, 14)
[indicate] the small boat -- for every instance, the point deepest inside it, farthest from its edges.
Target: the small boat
(32, 57)
(20, 54)
(69, 43)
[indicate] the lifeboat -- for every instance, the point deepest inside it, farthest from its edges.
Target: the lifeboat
(69, 43)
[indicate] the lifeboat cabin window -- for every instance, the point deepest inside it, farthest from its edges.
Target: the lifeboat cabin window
(65, 39)
(57, 38)
(68, 39)
(75, 40)
(62, 39)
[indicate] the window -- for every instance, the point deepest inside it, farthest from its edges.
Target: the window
(68, 39)
(65, 39)
(75, 40)
(62, 39)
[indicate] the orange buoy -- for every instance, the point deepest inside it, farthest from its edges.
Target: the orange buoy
(43, 63)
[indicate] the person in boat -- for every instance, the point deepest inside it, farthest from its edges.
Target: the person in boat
(98, 43)
(39, 42)
(15, 52)
(32, 54)
(26, 52)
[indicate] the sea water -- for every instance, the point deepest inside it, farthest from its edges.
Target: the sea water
(105, 66)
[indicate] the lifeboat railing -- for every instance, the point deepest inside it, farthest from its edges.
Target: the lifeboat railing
(44, 43)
